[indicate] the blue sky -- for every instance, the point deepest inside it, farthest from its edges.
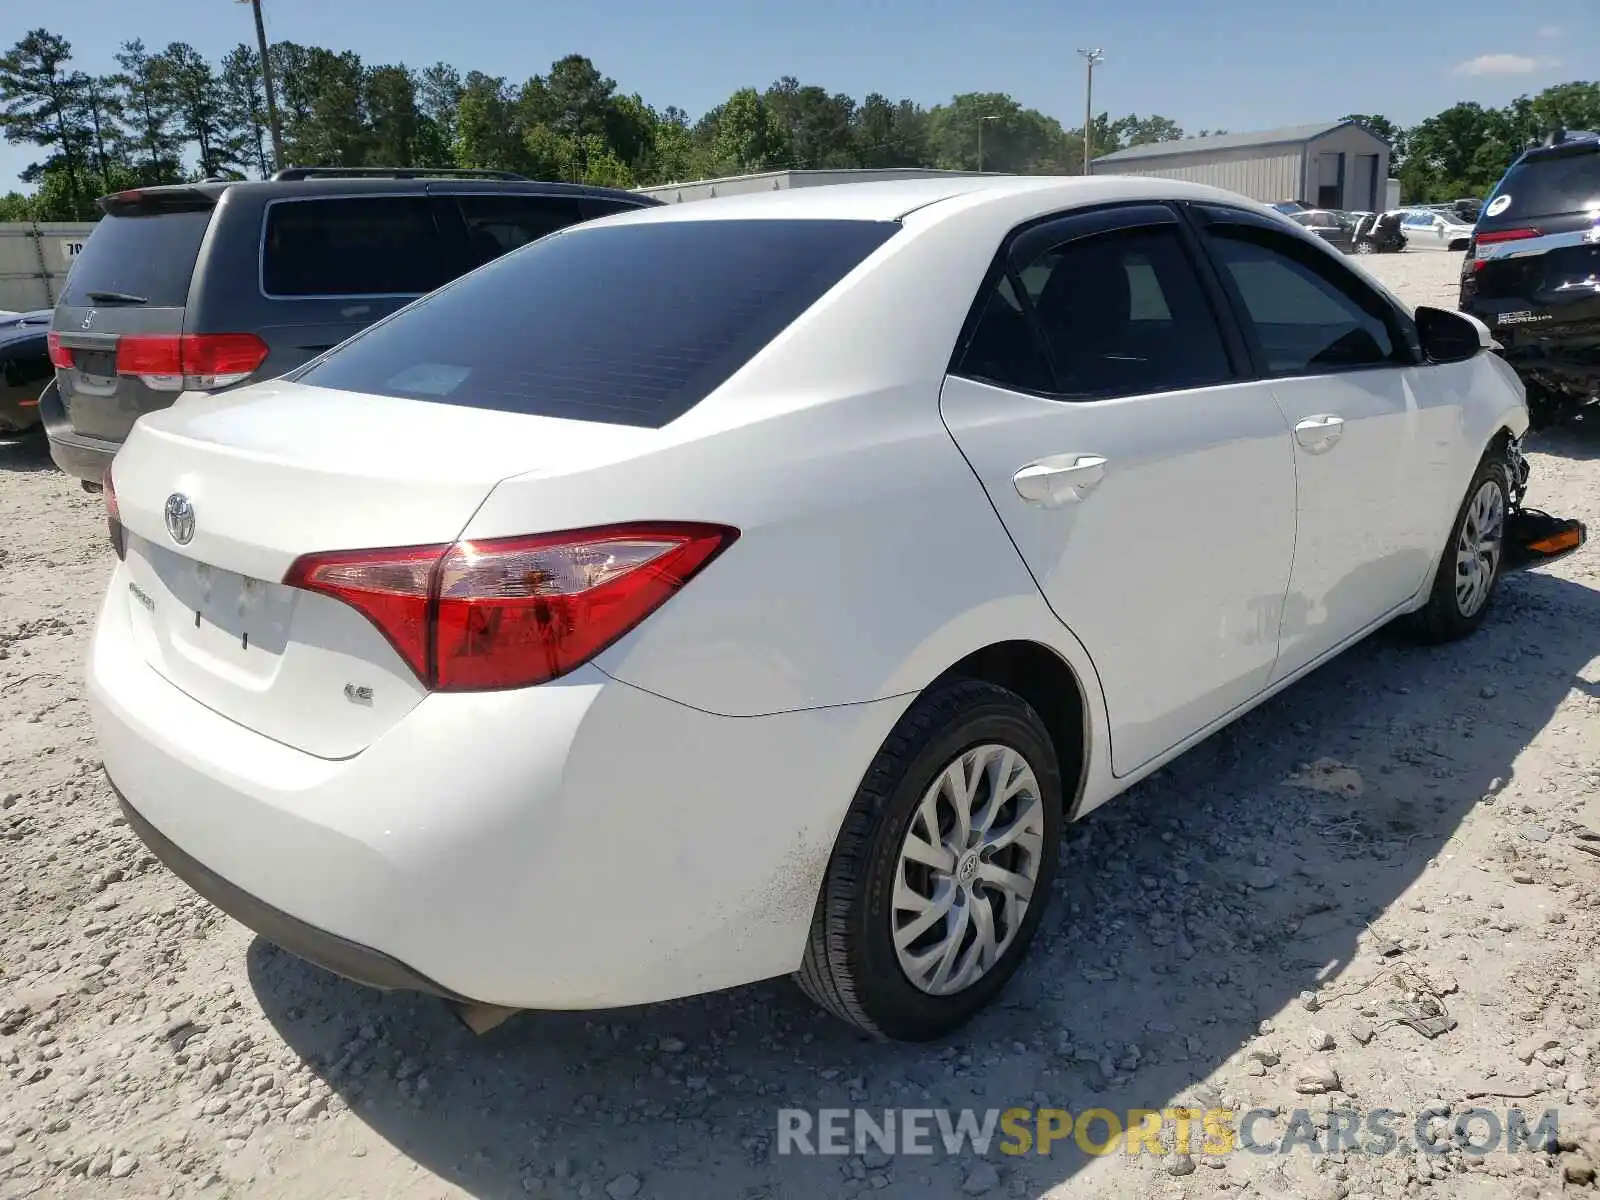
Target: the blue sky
(1238, 64)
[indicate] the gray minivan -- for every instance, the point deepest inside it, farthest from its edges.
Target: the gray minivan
(206, 286)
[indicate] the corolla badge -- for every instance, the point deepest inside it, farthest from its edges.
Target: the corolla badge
(180, 518)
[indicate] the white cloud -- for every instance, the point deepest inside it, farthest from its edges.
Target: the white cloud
(1550, 31)
(1503, 64)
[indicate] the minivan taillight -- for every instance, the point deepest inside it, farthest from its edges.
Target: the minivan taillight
(513, 612)
(113, 516)
(60, 356)
(178, 362)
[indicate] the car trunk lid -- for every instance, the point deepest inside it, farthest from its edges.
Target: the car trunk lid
(275, 471)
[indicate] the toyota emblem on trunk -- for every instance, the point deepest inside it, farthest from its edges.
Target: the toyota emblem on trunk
(180, 518)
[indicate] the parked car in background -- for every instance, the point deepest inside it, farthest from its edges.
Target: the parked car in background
(1435, 229)
(1467, 209)
(1288, 206)
(1331, 226)
(766, 581)
(206, 286)
(24, 368)
(1533, 269)
(1379, 234)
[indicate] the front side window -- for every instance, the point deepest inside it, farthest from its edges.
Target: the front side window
(1305, 317)
(359, 246)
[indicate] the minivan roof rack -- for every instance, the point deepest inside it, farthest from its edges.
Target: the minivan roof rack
(291, 174)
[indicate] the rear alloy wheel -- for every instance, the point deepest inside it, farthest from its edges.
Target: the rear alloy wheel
(1365, 248)
(942, 868)
(1469, 569)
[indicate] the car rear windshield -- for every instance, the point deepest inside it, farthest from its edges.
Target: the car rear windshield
(147, 255)
(630, 324)
(1547, 185)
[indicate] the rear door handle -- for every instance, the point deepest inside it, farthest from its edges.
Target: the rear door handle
(1320, 432)
(1059, 480)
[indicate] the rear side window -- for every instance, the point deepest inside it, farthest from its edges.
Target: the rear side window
(497, 224)
(150, 256)
(1547, 186)
(366, 246)
(629, 324)
(1120, 313)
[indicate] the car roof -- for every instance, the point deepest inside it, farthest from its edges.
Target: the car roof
(894, 200)
(1575, 142)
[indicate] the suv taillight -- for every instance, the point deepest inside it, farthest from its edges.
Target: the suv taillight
(174, 362)
(113, 516)
(513, 612)
(1496, 236)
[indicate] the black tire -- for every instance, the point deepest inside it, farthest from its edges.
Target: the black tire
(851, 967)
(1441, 619)
(1366, 248)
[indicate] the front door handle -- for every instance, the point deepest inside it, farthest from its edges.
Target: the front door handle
(1320, 432)
(1059, 480)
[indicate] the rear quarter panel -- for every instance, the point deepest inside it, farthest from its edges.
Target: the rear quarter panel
(869, 558)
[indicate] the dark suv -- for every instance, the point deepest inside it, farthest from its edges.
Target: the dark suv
(1532, 272)
(206, 286)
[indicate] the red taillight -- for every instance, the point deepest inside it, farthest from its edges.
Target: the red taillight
(513, 612)
(113, 516)
(168, 362)
(60, 356)
(1493, 236)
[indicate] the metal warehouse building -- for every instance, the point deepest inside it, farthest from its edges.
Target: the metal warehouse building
(1337, 164)
(777, 181)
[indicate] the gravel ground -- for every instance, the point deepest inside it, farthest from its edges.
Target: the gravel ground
(1405, 834)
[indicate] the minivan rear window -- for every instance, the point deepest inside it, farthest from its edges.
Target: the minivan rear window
(148, 255)
(1549, 185)
(629, 324)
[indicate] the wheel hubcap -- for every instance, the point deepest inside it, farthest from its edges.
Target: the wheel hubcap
(967, 869)
(1478, 548)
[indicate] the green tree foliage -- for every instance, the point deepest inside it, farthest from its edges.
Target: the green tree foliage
(43, 103)
(166, 116)
(199, 107)
(149, 142)
(244, 110)
(1014, 139)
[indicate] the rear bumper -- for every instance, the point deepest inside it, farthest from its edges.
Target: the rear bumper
(326, 950)
(1555, 348)
(584, 844)
(85, 458)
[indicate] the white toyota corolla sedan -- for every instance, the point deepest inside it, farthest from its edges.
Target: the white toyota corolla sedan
(748, 587)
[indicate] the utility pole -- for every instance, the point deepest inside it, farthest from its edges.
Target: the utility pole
(266, 85)
(981, 120)
(1090, 57)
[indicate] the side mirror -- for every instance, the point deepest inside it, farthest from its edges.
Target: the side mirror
(1449, 337)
